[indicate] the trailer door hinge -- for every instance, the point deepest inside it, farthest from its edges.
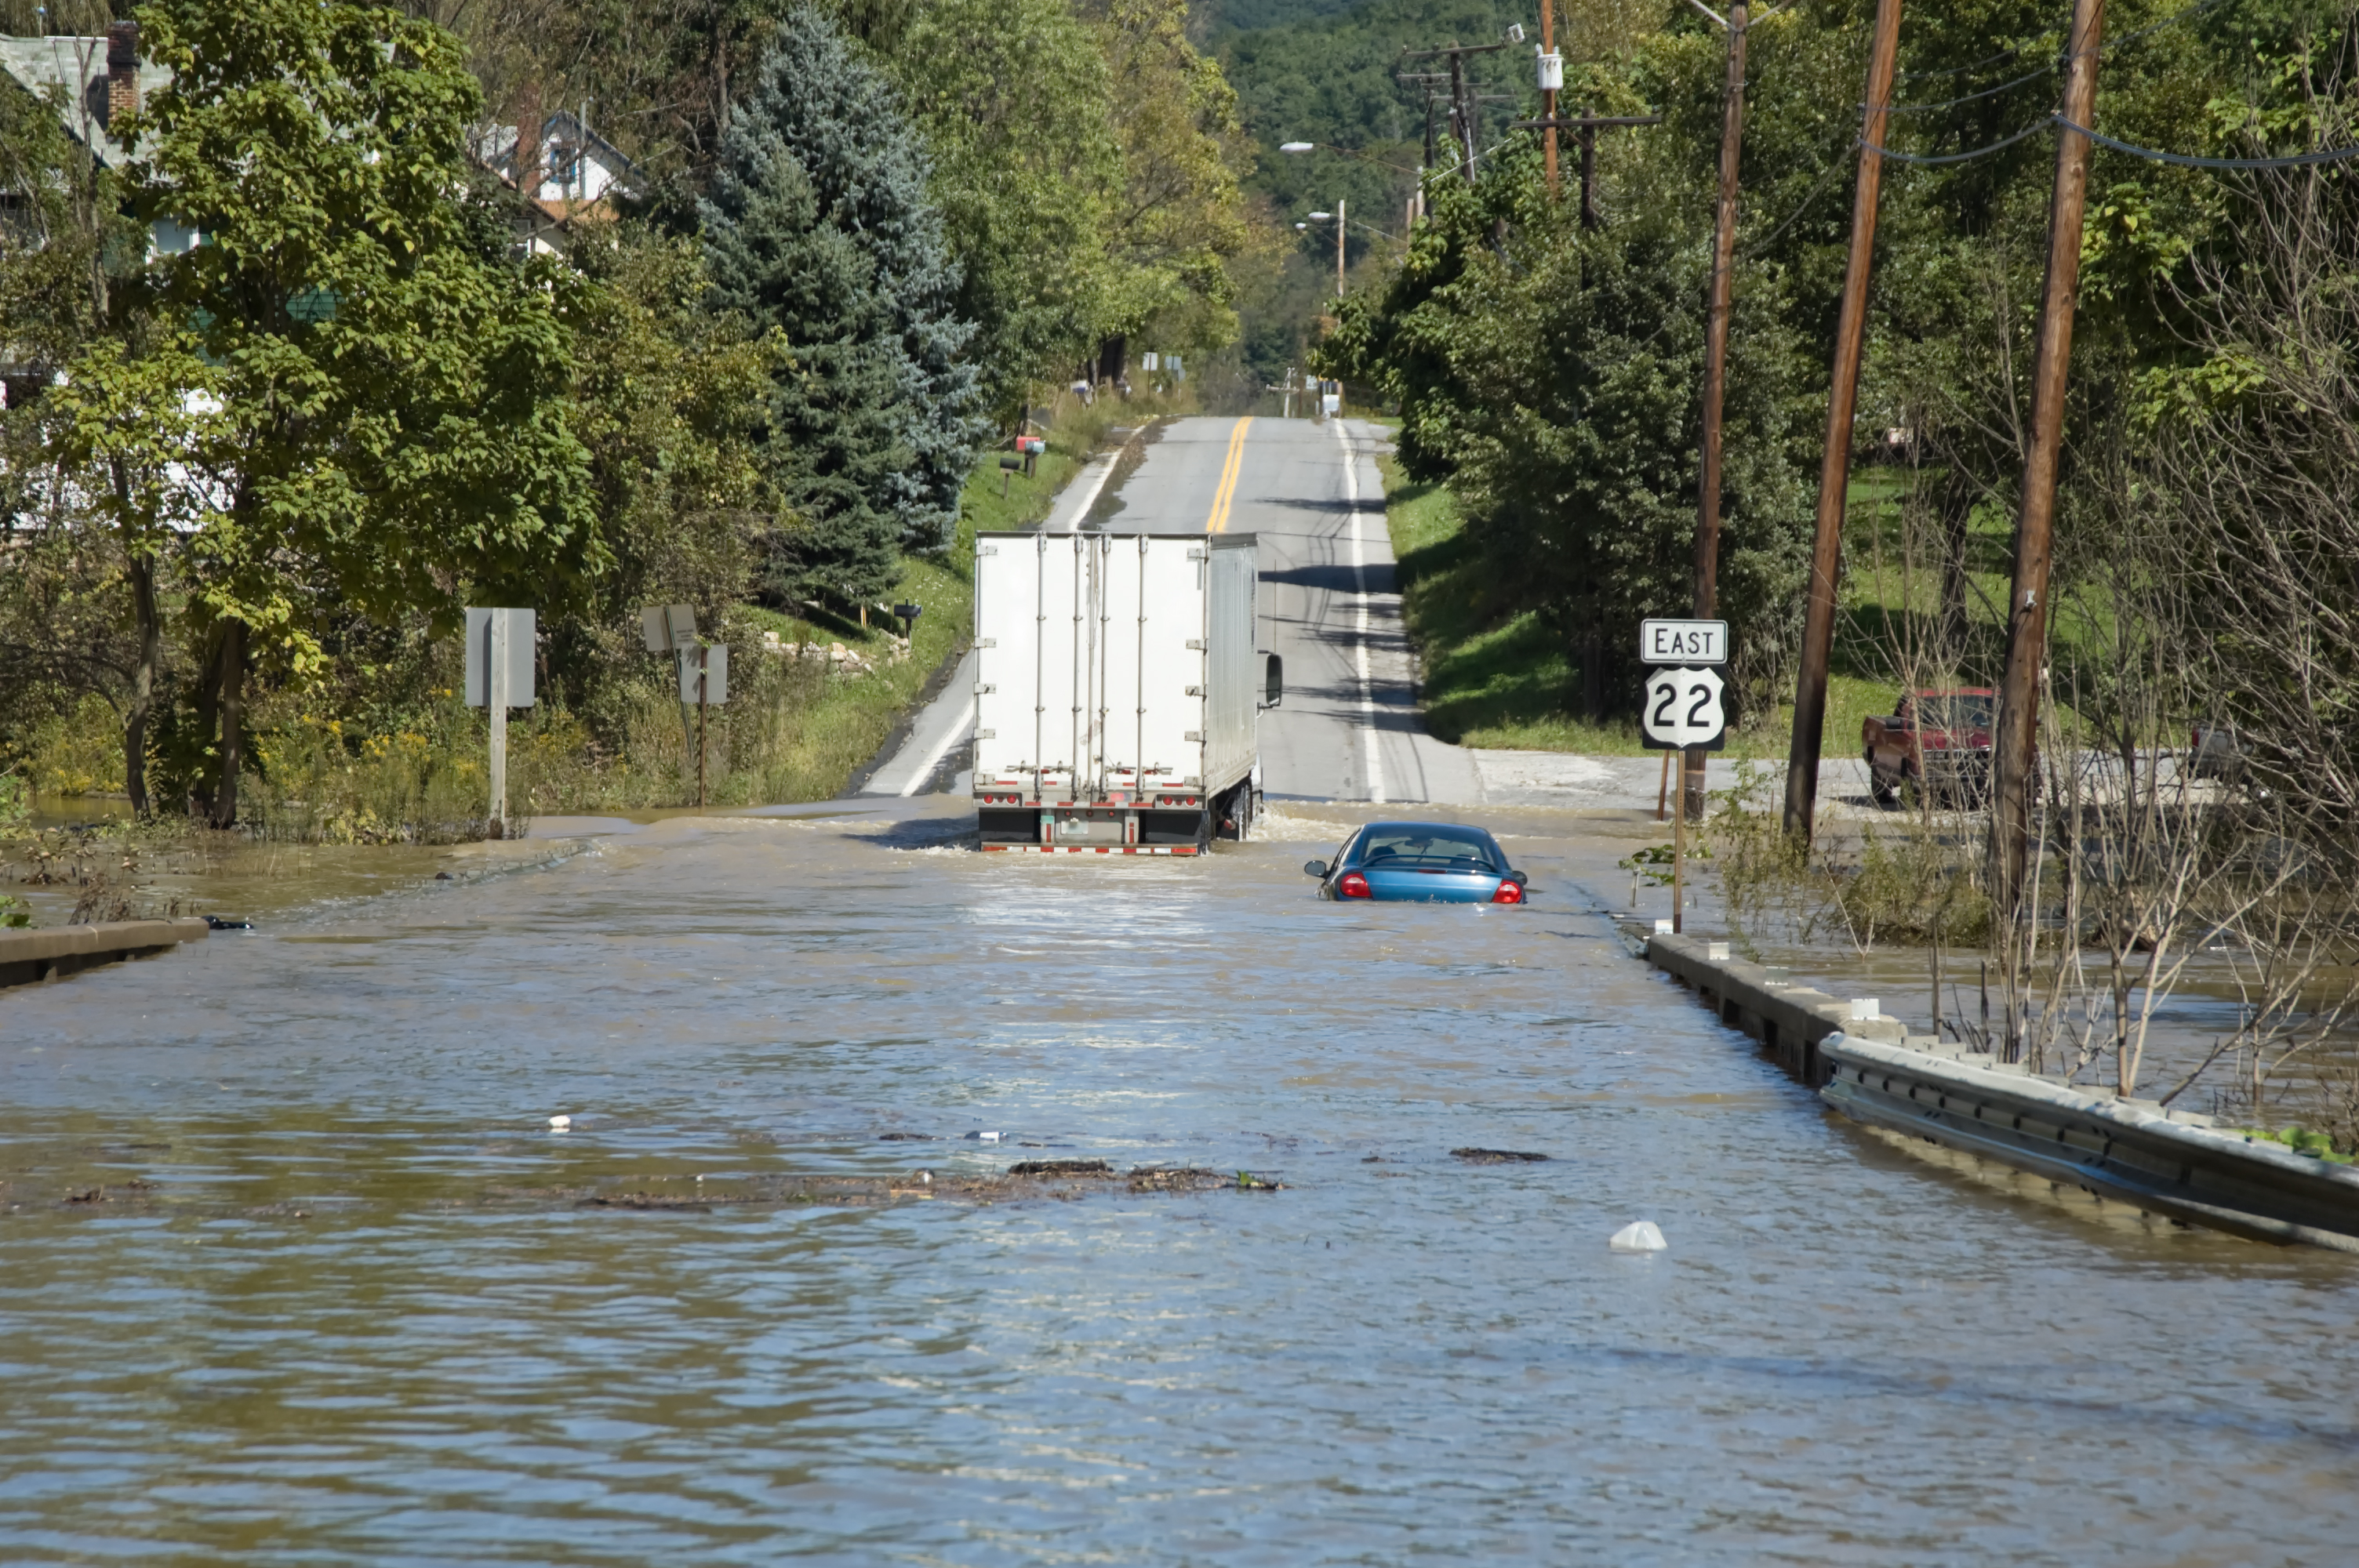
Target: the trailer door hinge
(983, 688)
(1197, 643)
(987, 734)
(1195, 735)
(987, 642)
(1192, 691)
(1195, 554)
(986, 549)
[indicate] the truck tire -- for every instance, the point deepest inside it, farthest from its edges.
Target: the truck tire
(1885, 796)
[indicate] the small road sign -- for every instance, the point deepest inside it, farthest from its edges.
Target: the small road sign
(1683, 642)
(1683, 710)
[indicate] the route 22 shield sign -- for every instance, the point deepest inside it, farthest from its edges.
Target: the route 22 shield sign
(1682, 709)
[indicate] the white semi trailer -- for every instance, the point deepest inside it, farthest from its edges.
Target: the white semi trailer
(1118, 689)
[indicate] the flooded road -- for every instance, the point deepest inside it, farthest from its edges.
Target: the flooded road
(332, 1295)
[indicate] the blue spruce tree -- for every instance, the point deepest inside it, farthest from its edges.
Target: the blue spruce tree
(819, 226)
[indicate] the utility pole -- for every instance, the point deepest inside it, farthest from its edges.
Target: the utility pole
(1587, 124)
(1551, 73)
(1715, 369)
(2035, 523)
(1462, 106)
(1834, 463)
(1339, 251)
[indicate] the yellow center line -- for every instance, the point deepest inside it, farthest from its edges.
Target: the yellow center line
(1218, 521)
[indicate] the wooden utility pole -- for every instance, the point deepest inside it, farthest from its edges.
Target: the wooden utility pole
(1834, 464)
(1715, 373)
(2013, 752)
(1548, 95)
(1464, 105)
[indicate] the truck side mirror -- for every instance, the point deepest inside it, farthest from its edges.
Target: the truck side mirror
(1315, 869)
(1276, 692)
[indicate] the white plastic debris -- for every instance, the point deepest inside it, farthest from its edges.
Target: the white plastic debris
(560, 1123)
(991, 1137)
(926, 1178)
(1641, 1236)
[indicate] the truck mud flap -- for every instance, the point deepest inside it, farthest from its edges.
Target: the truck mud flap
(1094, 848)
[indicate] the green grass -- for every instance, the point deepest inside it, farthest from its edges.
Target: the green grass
(1494, 676)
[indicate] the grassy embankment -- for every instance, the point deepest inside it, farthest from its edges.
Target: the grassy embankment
(1497, 677)
(794, 730)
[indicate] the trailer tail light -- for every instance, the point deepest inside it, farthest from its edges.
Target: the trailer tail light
(1352, 884)
(1509, 892)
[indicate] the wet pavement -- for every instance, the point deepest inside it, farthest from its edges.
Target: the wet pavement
(293, 1268)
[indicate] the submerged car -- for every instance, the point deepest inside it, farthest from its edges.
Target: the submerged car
(1421, 862)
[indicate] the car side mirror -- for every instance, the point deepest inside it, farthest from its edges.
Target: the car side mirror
(1274, 692)
(1315, 869)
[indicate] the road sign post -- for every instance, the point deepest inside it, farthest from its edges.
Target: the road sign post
(499, 676)
(1682, 711)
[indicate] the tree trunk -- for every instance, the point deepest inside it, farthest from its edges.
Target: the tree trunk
(1957, 493)
(142, 572)
(233, 723)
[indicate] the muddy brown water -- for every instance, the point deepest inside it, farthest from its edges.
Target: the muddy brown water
(335, 1292)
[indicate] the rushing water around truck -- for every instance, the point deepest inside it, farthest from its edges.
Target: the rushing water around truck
(294, 1270)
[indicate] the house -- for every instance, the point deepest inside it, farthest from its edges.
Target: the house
(568, 175)
(96, 79)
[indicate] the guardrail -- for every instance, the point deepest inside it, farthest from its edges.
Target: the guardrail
(2176, 1163)
(2169, 1162)
(1790, 1020)
(27, 956)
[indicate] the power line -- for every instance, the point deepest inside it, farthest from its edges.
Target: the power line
(1825, 180)
(2049, 69)
(2185, 160)
(2043, 122)
(2155, 154)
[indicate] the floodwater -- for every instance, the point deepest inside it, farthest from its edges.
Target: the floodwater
(338, 1298)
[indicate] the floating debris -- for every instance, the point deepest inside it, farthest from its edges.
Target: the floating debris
(560, 1123)
(904, 1137)
(1060, 1168)
(1495, 1156)
(1641, 1236)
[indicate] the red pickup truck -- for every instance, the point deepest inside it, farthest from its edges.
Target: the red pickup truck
(1938, 741)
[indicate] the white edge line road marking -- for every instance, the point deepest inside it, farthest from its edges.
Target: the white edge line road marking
(1375, 767)
(1089, 496)
(951, 736)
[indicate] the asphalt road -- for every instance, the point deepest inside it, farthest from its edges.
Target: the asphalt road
(1348, 728)
(1309, 490)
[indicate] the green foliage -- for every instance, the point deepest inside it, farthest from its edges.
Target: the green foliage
(412, 434)
(819, 230)
(1555, 376)
(1013, 98)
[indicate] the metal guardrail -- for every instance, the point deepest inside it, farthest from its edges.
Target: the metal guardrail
(2172, 1164)
(2175, 1163)
(27, 956)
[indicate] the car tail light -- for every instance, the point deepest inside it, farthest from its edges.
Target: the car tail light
(1509, 892)
(1352, 884)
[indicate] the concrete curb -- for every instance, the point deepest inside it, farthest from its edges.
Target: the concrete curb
(28, 957)
(2174, 1164)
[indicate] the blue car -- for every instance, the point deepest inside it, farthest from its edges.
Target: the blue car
(1423, 862)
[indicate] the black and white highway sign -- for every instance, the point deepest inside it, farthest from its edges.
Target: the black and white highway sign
(1683, 642)
(1683, 710)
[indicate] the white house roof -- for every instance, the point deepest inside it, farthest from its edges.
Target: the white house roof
(78, 65)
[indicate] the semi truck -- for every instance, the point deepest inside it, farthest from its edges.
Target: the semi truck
(1117, 691)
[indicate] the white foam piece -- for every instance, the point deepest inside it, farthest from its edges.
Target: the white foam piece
(1641, 1236)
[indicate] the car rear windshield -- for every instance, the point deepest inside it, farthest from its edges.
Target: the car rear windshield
(1954, 712)
(1427, 850)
